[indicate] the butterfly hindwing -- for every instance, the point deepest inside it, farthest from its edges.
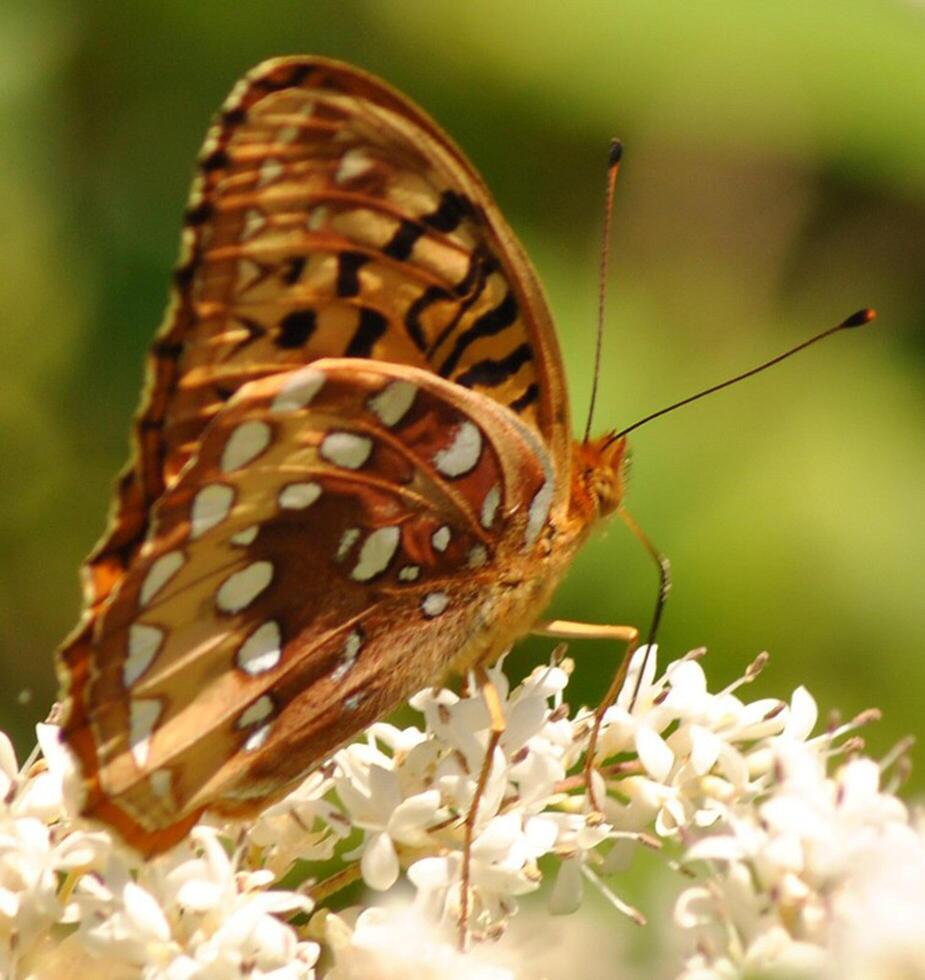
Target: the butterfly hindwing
(339, 528)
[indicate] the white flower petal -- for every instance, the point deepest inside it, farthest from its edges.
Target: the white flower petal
(654, 753)
(567, 892)
(497, 838)
(8, 764)
(541, 833)
(430, 873)
(688, 688)
(379, 864)
(200, 895)
(860, 782)
(705, 749)
(412, 815)
(9, 903)
(695, 905)
(716, 848)
(524, 720)
(644, 659)
(145, 913)
(803, 715)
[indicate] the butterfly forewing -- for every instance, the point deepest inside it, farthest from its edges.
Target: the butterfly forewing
(331, 217)
(339, 529)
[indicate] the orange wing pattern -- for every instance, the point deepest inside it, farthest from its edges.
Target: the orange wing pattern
(337, 531)
(331, 217)
(351, 460)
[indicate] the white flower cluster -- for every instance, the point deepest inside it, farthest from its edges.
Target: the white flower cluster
(809, 874)
(794, 856)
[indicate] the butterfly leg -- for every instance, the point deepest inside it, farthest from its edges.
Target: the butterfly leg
(496, 719)
(566, 629)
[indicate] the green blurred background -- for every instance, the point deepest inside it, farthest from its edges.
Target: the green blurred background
(774, 181)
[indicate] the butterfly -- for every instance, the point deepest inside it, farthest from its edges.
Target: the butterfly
(352, 470)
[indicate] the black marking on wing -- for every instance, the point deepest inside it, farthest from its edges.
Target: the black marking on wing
(184, 274)
(470, 289)
(402, 242)
(293, 269)
(216, 160)
(490, 373)
(286, 76)
(233, 117)
(372, 326)
(348, 268)
(530, 395)
(450, 212)
(167, 350)
(487, 325)
(199, 214)
(481, 265)
(431, 295)
(295, 328)
(254, 330)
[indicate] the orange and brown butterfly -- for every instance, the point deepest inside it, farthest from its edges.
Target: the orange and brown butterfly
(352, 469)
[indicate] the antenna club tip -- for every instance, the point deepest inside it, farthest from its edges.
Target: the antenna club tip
(616, 152)
(860, 318)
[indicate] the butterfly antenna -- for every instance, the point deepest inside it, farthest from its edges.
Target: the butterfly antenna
(855, 320)
(613, 168)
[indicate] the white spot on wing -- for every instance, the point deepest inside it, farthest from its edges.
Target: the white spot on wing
(461, 455)
(143, 644)
(159, 574)
(434, 603)
(261, 709)
(353, 644)
(161, 783)
(539, 511)
(347, 540)
(247, 442)
(354, 163)
(318, 218)
(256, 739)
(354, 701)
(271, 169)
(298, 496)
(287, 134)
(245, 537)
(210, 507)
(391, 404)
(239, 590)
(490, 506)
(351, 649)
(346, 449)
(254, 789)
(253, 223)
(143, 715)
(376, 553)
(299, 390)
(262, 650)
(409, 573)
(248, 273)
(477, 556)
(440, 539)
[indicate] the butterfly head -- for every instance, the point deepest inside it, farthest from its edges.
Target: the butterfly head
(599, 473)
